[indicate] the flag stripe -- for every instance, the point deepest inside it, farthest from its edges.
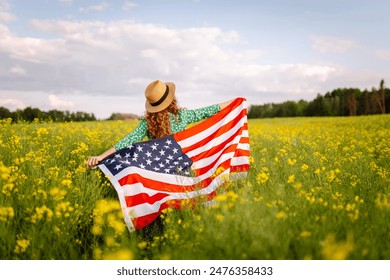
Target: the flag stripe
(212, 123)
(192, 147)
(206, 146)
(170, 183)
(147, 208)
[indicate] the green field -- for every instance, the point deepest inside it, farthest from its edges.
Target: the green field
(318, 188)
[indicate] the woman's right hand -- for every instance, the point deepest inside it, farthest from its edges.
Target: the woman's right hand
(93, 161)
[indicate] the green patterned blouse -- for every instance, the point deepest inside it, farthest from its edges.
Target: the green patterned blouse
(186, 117)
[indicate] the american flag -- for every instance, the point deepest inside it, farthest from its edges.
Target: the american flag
(153, 175)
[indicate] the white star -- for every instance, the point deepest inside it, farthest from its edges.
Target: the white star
(118, 156)
(169, 142)
(156, 168)
(127, 155)
(162, 152)
(156, 158)
(119, 166)
(154, 146)
(175, 150)
(186, 163)
(166, 160)
(161, 164)
(135, 155)
(175, 163)
(166, 170)
(170, 157)
(180, 158)
(139, 148)
(142, 166)
(148, 162)
(148, 154)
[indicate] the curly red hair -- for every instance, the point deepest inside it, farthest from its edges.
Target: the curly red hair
(158, 123)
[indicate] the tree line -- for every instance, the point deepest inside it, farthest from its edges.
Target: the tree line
(338, 102)
(29, 114)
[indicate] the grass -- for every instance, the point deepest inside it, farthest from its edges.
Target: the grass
(318, 188)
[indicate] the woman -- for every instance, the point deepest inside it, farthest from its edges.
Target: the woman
(162, 118)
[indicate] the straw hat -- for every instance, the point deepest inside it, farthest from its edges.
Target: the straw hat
(159, 95)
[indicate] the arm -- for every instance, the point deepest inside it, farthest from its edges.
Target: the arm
(92, 161)
(225, 104)
(135, 136)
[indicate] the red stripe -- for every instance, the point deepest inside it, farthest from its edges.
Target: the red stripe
(219, 132)
(216, 148)
(152, 184)
(143, 221)
(143, 198)
(242, 153)
(239, 168)
(196, 129)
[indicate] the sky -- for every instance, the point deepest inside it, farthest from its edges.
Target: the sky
(98, 56)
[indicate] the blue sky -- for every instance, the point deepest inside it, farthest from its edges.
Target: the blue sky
(98, 56)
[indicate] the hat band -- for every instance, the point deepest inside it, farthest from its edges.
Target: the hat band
(161, 100)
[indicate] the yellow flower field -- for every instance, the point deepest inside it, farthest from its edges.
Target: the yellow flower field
(318, 188)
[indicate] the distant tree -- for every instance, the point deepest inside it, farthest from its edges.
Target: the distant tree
(351, 102)
(5, 113)
(381, 97)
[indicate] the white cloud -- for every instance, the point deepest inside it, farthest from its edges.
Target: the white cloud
(331, 45)
(114, 61)
(18, 70)
(66, 2)
(30, 49)
(95, 8)
(12, 103)
(382, 54)
(128, 5)
(5, 14)
(58, 103)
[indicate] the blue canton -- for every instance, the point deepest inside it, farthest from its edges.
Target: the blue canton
(162, 155)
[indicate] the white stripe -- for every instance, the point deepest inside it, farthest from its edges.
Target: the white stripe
(208, 131)
(146, 208)
(236, 161)
(243, 146)
(121, 197)
(217, 140)
(138, 188)
(170, 178)
(208, 160)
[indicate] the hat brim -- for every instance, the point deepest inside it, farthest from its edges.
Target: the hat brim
(168, 100)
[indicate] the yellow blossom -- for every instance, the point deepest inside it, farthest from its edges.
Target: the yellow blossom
(262, 178)
(305, 234)
(142, 245)
(122, 254)
(6, 213)
(21, 245)
(280, 215)
(333, 250)
(304, 167)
